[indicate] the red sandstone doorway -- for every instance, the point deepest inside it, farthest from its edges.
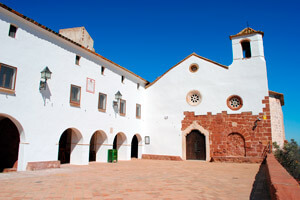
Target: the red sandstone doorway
(195, 146)
(9, 144)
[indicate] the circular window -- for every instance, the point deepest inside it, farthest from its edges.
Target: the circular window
(194, 68)
(234, 102)
(193, 97)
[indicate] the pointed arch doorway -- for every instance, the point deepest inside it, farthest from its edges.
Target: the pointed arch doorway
(195, 146)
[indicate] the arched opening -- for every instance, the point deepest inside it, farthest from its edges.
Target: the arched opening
(134, 147)
(246, 49)
(236, 145)
(119, 144)
(96, 142)
(9, 144)
(67, 144)
(195, 146)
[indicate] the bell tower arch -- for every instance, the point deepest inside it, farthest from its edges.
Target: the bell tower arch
(247, 44)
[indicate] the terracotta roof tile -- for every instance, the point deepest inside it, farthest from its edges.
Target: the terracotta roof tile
(246, 31)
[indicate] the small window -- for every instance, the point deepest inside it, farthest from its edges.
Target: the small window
(234, 102)
(75, 95)
(194, 98)
(7, 77)
(102, 102)
(12, 31)
(77, 60)
(102, 70)
(138, 111)
(246, 49)
(137, 86)
(122, 107)
(194, 68)
(122, 79)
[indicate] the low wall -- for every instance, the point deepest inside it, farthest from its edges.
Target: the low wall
(160, 157)
(282, 184)
(237, 159)
(32, 166)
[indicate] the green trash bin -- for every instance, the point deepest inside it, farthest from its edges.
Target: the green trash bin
(112, 155)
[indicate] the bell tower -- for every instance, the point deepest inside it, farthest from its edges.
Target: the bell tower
(247, 44)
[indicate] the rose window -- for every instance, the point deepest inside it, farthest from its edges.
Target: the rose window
(193, 97)
(234, 102)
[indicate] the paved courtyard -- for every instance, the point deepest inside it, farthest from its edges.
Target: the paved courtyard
(136, 179)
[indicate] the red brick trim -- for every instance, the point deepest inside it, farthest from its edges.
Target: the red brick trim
(221, 125)
(237, 159)
(32, 166)
(282, 184)
(161, 157)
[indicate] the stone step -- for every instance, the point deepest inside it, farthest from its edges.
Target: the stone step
(7, 170)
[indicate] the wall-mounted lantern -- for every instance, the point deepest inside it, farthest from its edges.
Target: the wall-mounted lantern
(45, 75)
(118, 96)
(147, 139)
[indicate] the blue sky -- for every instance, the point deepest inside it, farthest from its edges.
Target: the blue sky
(150, 36)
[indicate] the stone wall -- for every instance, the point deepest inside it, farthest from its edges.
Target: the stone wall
(234, 135)
(277, 121)
(282, 184)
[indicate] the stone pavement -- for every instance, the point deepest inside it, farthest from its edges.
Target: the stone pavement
(135, 179)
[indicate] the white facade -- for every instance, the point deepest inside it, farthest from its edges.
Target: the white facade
(41, 116)
(166, 99)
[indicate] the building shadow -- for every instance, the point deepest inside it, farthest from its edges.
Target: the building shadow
(46, 94)
(260, 188)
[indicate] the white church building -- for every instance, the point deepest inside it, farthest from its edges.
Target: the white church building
(61, 102)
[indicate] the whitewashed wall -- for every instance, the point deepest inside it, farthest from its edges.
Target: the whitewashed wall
(45, 115)
(166, 99)
(42, 116)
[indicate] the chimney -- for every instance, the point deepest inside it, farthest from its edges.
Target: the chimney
(79, 35)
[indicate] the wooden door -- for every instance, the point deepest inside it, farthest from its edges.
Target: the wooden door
(195, 146)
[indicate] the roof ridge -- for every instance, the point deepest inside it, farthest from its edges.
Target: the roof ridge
(246, 31)
(192, 54)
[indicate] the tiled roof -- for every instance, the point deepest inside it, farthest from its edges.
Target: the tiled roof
(246, 31)
(61, 36)
(193, 54)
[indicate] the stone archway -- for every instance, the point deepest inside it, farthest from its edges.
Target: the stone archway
(188, 130)
(120, 143)
(195, 146)
(236, 145)
(9, 145)
(68, 151)
(97, 141)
